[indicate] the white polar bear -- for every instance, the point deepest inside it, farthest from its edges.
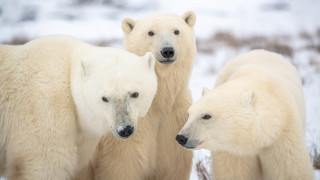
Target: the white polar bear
(253, 121)
(59, 95)
(153, 152)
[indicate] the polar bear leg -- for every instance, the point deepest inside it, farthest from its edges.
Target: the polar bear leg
(42, 143)
(228, 166)
(36, 162)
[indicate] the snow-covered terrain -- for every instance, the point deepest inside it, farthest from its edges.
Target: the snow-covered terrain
(223, 29)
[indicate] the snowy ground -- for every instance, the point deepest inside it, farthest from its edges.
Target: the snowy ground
(223, 29)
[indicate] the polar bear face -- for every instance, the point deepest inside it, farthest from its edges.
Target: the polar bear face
(221, 121)
(166, 35)
(115, 91)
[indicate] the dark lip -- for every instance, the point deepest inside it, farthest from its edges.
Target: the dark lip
(119, 137)
(192, 147)
(125, 137)
(168, 61)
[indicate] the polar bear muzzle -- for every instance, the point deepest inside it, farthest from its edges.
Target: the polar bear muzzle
(125, 131)
(125, 127)
(182, 139)
(168, 55)
(186, 142)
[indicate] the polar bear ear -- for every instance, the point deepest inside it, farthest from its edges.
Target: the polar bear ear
(205, 91)
(150, 59)
(85, 67)
(127, 25)
(190, 18)
(247, 98)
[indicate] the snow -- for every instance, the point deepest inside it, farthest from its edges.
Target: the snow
(95, 22)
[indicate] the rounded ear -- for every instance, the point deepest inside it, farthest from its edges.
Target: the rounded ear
(190, 18)
(85, 67)
(205, 91)
(247, 98)
(127, 25)
(150, 60)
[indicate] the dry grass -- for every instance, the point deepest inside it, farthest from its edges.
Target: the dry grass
(282, 44)
(202, 171)
(106, 43)
(312, 40)
(277, 44)
(315, 156)
(120, 4)
(314, 62)
(18, 40)
(313, 145)
(316, 159)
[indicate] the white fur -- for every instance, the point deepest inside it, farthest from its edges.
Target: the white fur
(153, 152)
(256, 129)
(116, 78)
(52, 114)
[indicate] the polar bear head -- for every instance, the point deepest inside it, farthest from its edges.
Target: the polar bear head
(168, 36)
(112, 89)
(225, 119)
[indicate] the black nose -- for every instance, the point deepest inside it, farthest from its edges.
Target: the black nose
(181, 139)
(126, 131)
(167, 52)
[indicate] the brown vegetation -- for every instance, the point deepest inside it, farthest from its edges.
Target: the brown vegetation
(312, 40)
(279, 44)
(18, 40)
(202, 171)
(316, 158)
(107, 43)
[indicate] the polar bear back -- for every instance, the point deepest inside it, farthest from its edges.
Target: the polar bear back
(273, 62)
(27, 91)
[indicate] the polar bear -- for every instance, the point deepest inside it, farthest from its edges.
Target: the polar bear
(253, 120)
(59, 95)
(153, 153)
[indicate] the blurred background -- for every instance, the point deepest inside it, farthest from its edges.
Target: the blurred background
(223, 29)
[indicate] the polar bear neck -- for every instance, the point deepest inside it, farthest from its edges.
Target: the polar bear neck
(88, 133)
(170, 88)
(173, 79)
(84, 115)
(86, 147)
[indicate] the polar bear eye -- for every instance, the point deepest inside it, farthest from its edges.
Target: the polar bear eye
(176, 32)
(206, 116)
(104, 99)
(150, 33)
(134, 95)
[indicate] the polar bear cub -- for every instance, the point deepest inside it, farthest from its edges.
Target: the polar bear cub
(59, 95)
(253, 120)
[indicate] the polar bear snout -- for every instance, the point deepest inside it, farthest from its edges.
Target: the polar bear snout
(181, 139)
(167, 52)
(168, 55)
(186, 141)
(125, 131)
